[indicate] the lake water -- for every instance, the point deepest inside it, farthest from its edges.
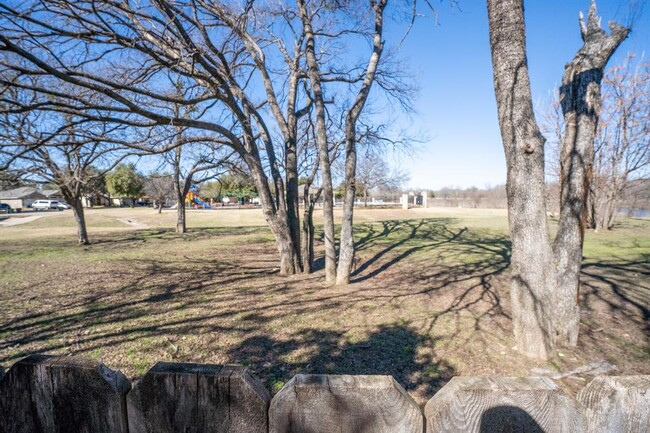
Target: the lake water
(636, 213)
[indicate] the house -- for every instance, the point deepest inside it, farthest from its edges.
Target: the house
(20, 198)
(53, 194)
(91, 200)
(122, 201)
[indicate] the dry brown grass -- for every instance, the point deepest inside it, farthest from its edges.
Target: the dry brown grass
(429, 299)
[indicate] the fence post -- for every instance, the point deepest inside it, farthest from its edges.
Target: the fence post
(197, 398)
(405, 201)
(617, 404)
(502, 404)
(344, 404)
(60, 395)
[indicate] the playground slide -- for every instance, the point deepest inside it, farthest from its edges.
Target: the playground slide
(201, 202)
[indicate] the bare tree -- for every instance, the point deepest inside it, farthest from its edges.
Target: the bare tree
(125, 52)
(545, 275)
(346, 252)
(68, 153)
(246, 68)
(314, 70)
(320, 23)
(160, 187)
(193, 164)
(623, 140)
(373, 173)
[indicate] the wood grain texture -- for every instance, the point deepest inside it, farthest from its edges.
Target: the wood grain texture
(495, 405)
(344, 404)
(60, 395)
(195, 398)
(617, 404)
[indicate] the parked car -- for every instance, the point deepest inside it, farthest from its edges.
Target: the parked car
(63, 205)
(5, 208)
(45, 205)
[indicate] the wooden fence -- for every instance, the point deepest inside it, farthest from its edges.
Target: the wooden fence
(59, 395)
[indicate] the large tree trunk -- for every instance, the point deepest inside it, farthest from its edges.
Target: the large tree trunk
(181, 225)
(322, 143)
(308, 231)
(72, 195)
(346, 249)
(293, 205)
(286, 248)
(531, 262)
(544, 277)
(80, 218)
(581, 104)
(275, 215)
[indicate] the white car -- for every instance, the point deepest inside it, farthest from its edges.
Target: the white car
(45, 205)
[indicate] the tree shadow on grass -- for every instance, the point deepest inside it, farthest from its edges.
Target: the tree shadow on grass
(234, 297)
(626, 280)
(233, 305)
(441, 257)
(396, 237)
(193, 233)
(395, 350)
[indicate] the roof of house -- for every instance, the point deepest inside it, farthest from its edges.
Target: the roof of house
(50, 192)
(22, 192)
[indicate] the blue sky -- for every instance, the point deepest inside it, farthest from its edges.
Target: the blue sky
(456, 105)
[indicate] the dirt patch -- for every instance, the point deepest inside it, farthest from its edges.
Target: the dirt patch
(14, 221)
(133, 223)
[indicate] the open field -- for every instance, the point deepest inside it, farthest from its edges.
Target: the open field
(429, 298)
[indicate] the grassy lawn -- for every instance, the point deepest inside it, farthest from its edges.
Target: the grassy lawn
(429, 298)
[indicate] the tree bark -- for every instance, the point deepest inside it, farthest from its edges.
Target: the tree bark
(544, 277)
(346, 248)
(308, 231)
(275, 215)
(72, 194)
(80, 218)
(181, 225)
(293, 205)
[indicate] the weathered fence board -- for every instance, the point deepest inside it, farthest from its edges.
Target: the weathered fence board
(617, 404)
(344, 404)
(482, 405)
(56, 394)
(60, 395)
(195, 398)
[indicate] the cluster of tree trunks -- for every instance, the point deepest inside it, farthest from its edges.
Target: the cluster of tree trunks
(545, 274)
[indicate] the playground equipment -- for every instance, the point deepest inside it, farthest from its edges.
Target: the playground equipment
(192, 197)
(201, 202)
